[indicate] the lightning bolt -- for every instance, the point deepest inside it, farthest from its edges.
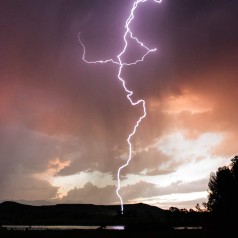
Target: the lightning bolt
(128, 34)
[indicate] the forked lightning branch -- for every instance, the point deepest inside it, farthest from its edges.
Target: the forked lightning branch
(121, 64)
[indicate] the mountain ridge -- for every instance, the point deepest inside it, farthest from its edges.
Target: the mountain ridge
(12, 212)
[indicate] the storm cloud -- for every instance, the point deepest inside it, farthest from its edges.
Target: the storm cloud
(61, 118)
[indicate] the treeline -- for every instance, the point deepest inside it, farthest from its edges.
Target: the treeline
(222, 207)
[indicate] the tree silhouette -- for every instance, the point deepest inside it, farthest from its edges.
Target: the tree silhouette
(223, 190)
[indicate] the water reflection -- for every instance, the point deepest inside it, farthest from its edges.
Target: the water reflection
(26, 227)
(187, 227)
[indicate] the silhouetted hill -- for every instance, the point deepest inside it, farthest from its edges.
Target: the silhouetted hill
(79, 214)
(136, 216)
(36, 202)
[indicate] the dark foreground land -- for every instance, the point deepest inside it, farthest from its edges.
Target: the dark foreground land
(114, 234)
(135, 216)
(139, 220)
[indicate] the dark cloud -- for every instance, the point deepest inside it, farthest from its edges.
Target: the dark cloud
(106, 195)
(139, 190)
(66, 108)
(21, 186)
(152, 166)
(143, 190)
(92, 194)
(27, 149)
(24, 154)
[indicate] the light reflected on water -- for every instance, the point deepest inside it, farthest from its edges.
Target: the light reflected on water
(26, 227)
(187, 227)
(114, 228)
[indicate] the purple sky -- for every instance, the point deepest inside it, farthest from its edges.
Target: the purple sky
(64, 123)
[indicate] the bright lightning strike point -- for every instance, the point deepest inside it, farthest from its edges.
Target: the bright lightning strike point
(129, 93)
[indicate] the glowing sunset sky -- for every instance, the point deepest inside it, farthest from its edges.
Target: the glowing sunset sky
(64, 123)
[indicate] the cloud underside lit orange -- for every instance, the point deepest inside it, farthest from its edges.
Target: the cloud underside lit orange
(64, 124)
